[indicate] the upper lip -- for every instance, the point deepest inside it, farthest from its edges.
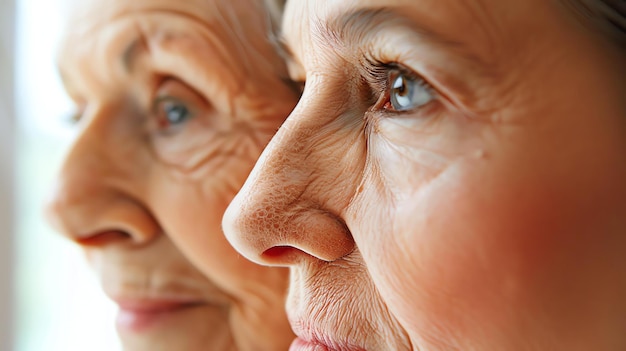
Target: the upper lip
(309, 333)
(155, 305)
(135, 298)
(137, 291)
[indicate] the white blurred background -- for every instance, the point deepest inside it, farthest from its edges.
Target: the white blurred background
(49, 299)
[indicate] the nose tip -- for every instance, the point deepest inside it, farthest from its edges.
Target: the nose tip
(91, 214)
(235, 227)
(100, 192)
(270, 234)
(290, 208)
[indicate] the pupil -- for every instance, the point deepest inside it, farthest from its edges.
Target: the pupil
(400, 86)
(176, 113)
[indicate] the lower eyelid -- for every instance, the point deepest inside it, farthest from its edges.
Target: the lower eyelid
(422, 112)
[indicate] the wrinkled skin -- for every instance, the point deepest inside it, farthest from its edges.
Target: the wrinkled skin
(489, 216)
(175, 101)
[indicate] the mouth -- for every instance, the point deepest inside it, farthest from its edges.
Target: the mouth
(312, 339)
(140, 315)
(302, 345)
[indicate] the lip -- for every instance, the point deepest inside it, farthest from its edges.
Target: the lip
(301, 345)
(139, 315)
(310, 338)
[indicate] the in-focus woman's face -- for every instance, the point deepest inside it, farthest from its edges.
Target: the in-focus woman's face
(175, 100)
(452, 178)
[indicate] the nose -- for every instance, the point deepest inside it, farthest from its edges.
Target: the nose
(290, 207)
(95, 200)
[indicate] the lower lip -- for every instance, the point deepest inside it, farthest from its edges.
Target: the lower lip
(141, 320)
(301, 345)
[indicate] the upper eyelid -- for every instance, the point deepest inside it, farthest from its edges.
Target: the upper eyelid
(157, 100)
(377, 72)
(157, 96)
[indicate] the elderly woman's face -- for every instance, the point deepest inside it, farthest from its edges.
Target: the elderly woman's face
(452, 178)
(176, 100)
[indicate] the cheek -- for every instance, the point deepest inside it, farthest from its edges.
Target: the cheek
(482, 239)
(190, 212)
(196, 222)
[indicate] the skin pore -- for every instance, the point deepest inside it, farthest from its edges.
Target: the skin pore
(451, 179)
(175, 101)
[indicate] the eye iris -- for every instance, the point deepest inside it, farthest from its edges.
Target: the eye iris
(176, 113)
(400, 93)
(408, 93)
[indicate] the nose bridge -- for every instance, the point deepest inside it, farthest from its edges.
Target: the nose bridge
(89, 194)
(284, 203)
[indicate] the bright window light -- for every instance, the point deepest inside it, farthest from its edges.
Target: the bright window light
(60, 305)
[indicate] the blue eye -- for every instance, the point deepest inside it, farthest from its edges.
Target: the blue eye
(408, 93)
(171, 112)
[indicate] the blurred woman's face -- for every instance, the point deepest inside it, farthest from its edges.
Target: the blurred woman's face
(175, 100)
(453, 178)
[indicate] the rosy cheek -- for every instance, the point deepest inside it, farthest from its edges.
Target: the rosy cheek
(444, 242)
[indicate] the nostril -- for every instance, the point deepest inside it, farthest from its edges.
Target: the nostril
(104, 238)
(282, 255)
(277, 251)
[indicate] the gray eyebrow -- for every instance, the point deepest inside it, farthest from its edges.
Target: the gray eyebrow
(360, 25)
(357, 25)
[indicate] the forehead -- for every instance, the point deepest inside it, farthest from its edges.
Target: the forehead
(89, 19)
(98, 12)
(99, 32)
(478, 24)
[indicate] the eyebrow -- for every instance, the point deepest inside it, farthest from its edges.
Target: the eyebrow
(355, 26)
(358, 25)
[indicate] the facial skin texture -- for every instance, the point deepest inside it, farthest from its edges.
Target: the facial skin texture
(176, 100)
(491, 216)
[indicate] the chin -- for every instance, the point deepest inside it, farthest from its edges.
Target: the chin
(177, 340)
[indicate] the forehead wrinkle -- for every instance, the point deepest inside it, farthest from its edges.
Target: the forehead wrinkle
(136, 47)
(227, 30)
(489, 26)
(141, 42)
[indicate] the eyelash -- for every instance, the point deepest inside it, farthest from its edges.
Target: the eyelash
(378, 75)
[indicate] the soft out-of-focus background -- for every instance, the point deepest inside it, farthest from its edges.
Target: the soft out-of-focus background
(6, 176)
(49, 299)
